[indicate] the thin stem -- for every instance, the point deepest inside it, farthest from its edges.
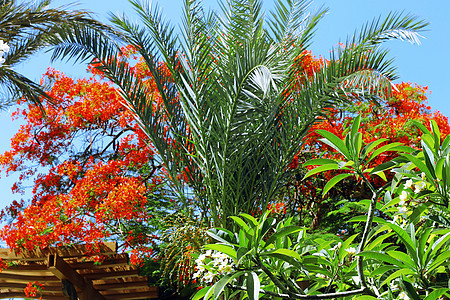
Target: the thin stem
(368, 226)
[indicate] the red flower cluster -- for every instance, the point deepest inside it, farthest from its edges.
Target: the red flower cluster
(98, 169)
(33, 289)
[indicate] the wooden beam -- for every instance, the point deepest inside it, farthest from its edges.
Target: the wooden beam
(62, 270)
(123, 285)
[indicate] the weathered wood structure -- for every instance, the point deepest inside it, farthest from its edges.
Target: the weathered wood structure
(67, 273)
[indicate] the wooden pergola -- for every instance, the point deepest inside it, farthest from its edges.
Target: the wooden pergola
(67, 273)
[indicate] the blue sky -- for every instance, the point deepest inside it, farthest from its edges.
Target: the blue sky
(426, 64)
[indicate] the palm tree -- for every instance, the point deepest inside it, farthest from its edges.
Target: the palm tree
(236, 100)
(24, 29)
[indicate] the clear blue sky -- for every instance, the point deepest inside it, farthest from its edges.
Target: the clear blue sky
(426, 64)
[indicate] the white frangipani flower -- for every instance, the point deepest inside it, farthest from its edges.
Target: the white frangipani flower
(403, 296)
(402, 210)
(3, 47)
(419, 186)
(409, 183)
(351, 250)
(403, 196)
(218, 264)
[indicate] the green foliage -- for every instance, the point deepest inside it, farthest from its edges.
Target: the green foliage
(239, 101)
(182, 237)
(278, 258)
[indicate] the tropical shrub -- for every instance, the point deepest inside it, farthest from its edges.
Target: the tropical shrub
(406, 255)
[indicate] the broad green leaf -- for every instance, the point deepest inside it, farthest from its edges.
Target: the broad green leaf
(383, 149)
(319, 162)
(383, 167)
(417, 212)
(357, 145)
(437, 245)
(422, 242)
(409, 289)
(355, 126)
(201, 293)
(381, 270)
(222, 248)
(334, 142)
(436, 294)
(364, 297)
(253, 286)
(220, 285)
(241, 254)
(406, 240)
(287, 252)
(243, 240)
(240, 223)
(421, 127)
(364, 219)
(429, 159)
(422, 167)
(381, 175)
(249, 218)
(333, 181)
(436, 134)
(219, 238)
(398, 273)
(322, 169)
(282, 232)
(369, 147)
(439, 166)
(438, 261)
(403, 257)
(379, 240)
(445, 144)
(382, 257)
(428, 140)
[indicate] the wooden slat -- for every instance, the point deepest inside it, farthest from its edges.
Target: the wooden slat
(139, 295)
(123, 285)
(26, 268)
(25, 279)
(112, 261)
(111, 275)
(62, 270)
(9, 295)
(22, 286)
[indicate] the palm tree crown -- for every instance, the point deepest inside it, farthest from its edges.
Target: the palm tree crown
(24, 29)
